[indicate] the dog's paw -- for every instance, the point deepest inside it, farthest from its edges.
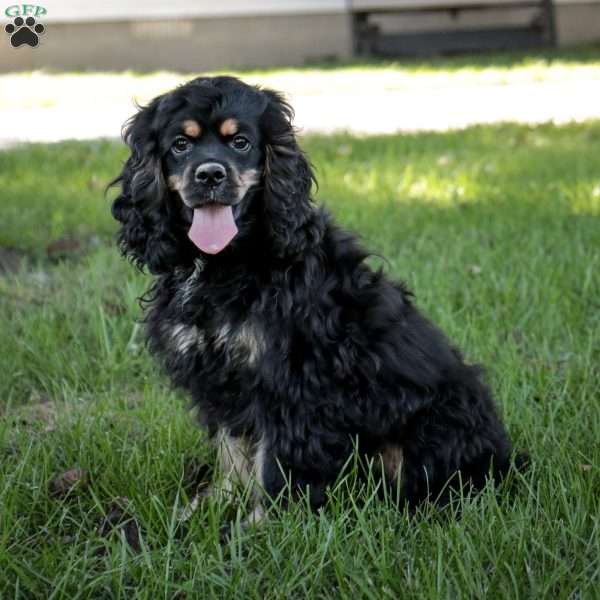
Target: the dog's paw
(252, 521)
(185, 513)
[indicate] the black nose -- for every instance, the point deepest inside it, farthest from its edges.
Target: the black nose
(211, 173)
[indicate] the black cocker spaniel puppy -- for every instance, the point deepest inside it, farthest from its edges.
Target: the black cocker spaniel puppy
(294, 351)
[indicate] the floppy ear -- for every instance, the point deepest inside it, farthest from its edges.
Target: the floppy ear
(142, 207)
(288, 180)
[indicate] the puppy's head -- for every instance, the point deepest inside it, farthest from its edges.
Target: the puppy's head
(211, 162)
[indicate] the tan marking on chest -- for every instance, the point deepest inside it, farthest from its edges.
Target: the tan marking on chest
(246, 343)
(185, 337)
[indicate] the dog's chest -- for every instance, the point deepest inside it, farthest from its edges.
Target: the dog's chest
(197, 325)
(243, 343)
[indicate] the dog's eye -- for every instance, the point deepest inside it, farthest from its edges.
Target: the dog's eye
(181, 144)
(239, 142)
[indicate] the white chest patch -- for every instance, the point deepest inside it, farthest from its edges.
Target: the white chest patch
(186, 337)
(246, 343)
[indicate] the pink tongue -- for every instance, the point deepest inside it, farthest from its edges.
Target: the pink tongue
(212, 228)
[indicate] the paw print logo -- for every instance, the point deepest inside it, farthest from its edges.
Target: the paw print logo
(24, 32)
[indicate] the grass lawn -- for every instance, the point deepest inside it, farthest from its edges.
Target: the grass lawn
(496, 229)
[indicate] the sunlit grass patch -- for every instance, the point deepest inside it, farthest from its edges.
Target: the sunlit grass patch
(47, 89)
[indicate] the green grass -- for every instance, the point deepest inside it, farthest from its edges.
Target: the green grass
(497, 230)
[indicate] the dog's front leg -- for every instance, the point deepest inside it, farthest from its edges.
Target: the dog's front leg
(239, 466)
(234, 467)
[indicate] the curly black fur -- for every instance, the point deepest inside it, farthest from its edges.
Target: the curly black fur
(287, 339)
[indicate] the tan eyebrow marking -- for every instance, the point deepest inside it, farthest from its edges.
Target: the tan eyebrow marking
(191, 128)
(229, 127)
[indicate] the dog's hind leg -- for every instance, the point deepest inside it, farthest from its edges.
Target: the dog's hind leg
(456, 446)
(390, 460)
(391, 457)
